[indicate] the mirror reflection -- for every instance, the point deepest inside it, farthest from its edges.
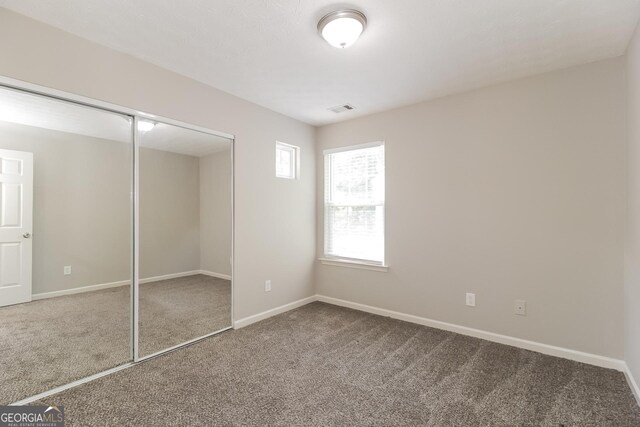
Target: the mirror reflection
(184, 235)
(65, 242)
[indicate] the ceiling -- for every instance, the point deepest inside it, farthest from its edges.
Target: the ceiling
(269, 52)
(175, 139)
(47, 113)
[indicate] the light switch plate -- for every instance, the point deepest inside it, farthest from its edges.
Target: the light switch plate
(471, 299)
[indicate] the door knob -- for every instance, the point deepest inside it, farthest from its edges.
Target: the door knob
(26, 235)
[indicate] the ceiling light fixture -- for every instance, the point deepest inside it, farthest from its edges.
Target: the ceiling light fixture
(342, 28)
(145, 126)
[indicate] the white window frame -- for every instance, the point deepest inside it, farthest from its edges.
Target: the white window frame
(295, 158)
(334, 260)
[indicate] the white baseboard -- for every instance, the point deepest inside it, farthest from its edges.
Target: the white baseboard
(632, 383)
(168, 276)
(565, 353)
(213, 274)
(90, 288)
(578, 356)
(241, 323)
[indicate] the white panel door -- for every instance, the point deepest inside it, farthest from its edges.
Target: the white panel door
(16, 221)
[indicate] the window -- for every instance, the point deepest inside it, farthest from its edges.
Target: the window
(287, 158)
(354, 203)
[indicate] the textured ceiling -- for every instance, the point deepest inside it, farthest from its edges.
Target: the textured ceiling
(183, 141)
(47, 113)
(268, 51)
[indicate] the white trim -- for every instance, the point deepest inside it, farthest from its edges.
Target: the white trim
(135, 245)
(273, 312)
(233, 230)
(565, 353)
(354, 264)
(327, 203)
(353, 147)
(91, 288)
(632, 383)
(592, 359)
(214, 274)
(169, 276)
(296, 159)
(79, 290)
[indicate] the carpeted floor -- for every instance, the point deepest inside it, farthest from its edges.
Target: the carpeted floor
(47, 343)
(322, 365)
(177, 310)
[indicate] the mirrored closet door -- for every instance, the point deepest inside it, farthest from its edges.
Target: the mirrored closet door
(66, 181)
(185, 197)
(115, 238)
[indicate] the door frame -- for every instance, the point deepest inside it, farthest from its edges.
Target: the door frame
(135, 115)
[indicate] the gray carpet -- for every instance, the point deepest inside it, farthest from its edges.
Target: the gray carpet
(47, 343)
(322, 365)
(177, 310)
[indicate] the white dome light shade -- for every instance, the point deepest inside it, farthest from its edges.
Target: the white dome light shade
(145, 126)
(342, 28)
(342, 32)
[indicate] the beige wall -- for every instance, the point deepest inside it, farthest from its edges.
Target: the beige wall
(515, 191)
(215, 212)
(81, 206)
(169, 213)
(274, 219)
(632, 264)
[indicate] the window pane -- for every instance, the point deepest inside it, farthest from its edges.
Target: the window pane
(356, 232)
(284, 162)
(354, 201)
(286, 158)
(357, 176)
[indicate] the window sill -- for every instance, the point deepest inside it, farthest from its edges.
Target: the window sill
(354, 264)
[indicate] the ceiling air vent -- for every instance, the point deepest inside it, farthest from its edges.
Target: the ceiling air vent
(342, 108)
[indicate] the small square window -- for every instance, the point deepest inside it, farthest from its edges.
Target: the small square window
(287, 158)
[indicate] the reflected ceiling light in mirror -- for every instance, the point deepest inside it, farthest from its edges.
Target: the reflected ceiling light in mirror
(145, 126)
(342, 28)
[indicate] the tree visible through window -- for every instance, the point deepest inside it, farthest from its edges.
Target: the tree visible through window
(354, 203)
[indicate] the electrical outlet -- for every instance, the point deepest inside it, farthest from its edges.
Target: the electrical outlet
(67, 270)
(520, 307)
(471, 300)
(267, 286)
